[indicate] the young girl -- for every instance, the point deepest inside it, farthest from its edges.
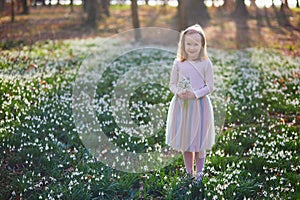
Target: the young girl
(190, 123)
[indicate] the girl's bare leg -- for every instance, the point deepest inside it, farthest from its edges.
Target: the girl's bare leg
(189, 162)
(200, 159)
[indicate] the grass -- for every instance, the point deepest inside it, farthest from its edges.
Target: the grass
(296, 9)
(256, 155)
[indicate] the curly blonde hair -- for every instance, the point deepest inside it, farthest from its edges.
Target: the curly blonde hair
(181, 54)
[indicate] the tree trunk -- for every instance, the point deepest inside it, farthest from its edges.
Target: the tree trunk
(297, 5)
(2, 5)
(12, 10)
(92, 12)
(71, 6)
(240, 10)
(105, 6)
(18, 2)
(253, 6)
(182, 18)
(284, 5)
(25, 7)
(197, 12)
(228, 4)
(58, 2)
(135, 20)
(84, 5)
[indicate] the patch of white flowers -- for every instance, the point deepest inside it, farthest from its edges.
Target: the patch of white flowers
(38, 126)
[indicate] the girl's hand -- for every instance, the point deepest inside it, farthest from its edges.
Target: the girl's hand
(182, 95)
(190, 95)
(186, 95)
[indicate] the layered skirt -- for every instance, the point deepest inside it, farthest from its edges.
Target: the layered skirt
(190, 124)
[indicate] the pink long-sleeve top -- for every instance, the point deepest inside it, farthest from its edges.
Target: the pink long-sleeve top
(196, 71)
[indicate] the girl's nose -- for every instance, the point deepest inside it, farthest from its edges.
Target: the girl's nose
(193, 48)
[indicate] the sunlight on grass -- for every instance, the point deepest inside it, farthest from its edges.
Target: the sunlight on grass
(256, 155)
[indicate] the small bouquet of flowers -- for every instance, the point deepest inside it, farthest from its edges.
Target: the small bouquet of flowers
(184, 85)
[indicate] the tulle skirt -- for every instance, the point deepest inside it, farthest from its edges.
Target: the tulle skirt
(190, 124)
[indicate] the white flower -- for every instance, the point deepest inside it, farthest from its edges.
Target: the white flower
(184, 84)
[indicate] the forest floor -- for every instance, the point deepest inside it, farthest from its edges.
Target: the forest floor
(43, 154)
(268, 28)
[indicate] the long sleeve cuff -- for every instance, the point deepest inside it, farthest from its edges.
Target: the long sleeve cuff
(201, 92)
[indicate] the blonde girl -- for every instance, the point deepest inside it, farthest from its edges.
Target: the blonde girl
(190, 122)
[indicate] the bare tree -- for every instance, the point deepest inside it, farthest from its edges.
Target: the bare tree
(2, 5)
(92, 12)
(197, 12)
(284, 5)
(286, 2)
(84, 5)
(135, 20)
(71, 6)
(252, 2)
(105, 7)
(25, 7)
(192, 12)
(182, 18)
(228, 4)
(12, 10)
(18, 4)
(240, 10)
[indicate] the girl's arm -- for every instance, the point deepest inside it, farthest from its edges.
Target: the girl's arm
(209, 80)
(174, 78)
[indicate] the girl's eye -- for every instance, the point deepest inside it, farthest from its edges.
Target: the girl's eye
(194, 44)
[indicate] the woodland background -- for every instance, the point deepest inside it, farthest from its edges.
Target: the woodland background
(254, 47)
(228, 24)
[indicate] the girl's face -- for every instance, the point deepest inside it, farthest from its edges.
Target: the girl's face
(192, 46)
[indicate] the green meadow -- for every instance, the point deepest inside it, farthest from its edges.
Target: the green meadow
(256, 155)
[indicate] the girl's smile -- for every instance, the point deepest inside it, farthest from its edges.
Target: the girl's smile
(192, 46)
